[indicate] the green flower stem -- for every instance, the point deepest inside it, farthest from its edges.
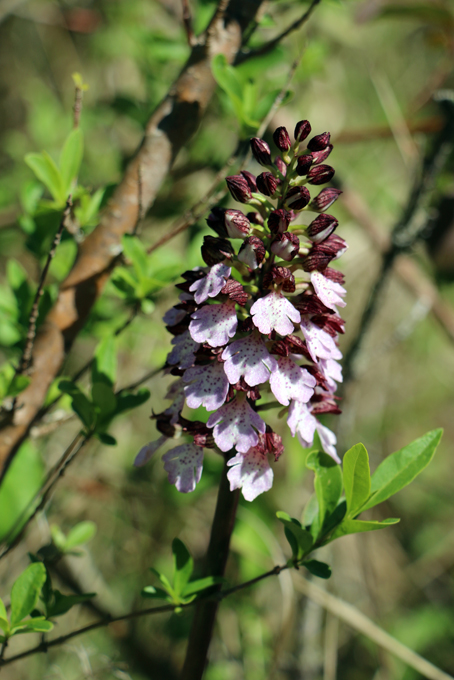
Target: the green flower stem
(216, 559)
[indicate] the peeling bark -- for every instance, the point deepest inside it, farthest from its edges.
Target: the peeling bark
(170, 127)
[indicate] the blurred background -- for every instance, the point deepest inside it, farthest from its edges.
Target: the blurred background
(368, 73)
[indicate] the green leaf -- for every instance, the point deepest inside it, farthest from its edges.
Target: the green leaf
(81, 533)
(126, 400)
(317, 568)
(135, 251)
(58, 537)
(4, 626)
(202, 584)
(106, 439)
(154, 593)
(35, 625)
(18, 385)
(47, 172)
(327, 483)
(356, 476)
(26, 590)
(81, 405)
(401, 467)
(164, 580)
(183, 565)
(71, 158)
(299, 539)
(104, 398)
(230, 81)
(356, 526)
(3, 614)
(105, 361)
(63, 603)
(125, 282)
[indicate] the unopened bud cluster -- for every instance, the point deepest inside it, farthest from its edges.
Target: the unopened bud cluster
(260, 322)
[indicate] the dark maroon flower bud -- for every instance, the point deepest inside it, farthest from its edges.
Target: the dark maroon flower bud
(281, 276)
(273, 443)
(235, 291)
(321, 227)
(334, 245)
(163, 424)
(250, 179)
(278, 221)
(303, 164)
(297, 198)
(237, 224)
(334, 275)
(251, 392)
(310, 304)
(280, 165)
(261, 151)
(267, 183)
(326, 407)
(286, 246)
(320, 174)
(297, 346)
(255, 218)
(317, 260)
(216, 250)
(281, 139)
(252, 252)
(302, 130)
(318, 375)
(321, 254)
(205, 440)
(331, 323)
(192, 275)
(319, 142)
(245, 326)
(280, 348)
(320, 156)
(239, 188)
(216, 221)
(325, 199)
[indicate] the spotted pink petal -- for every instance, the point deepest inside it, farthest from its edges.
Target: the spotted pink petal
(248, 357)
(250, 472)
(148, 450)
(320, 344)
(329, 292)
(184, 466)
(235, 425)
(183, 352)
(176, 393)
(208, 386)
(328, 441)
(275, 312)
(332, 370)
(289, 381)
(301, 421)
(214, 324)
(211, 284)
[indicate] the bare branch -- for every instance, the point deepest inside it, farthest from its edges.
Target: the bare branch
(269, 46)
(187, 22)
(170, 127)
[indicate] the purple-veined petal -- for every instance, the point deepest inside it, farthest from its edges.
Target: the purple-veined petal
(250, 472)
(184, 466)
(214, 324)
(288, 381)
(176, 393)
(275, 312)
(320, 344)
(208, 386)
(332, 370)
(248, 357)
(183, 352)
(211, 284)
(235, 425)
(329, 292)
(148, 450)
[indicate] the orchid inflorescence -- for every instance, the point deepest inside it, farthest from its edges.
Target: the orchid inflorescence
(247, 321)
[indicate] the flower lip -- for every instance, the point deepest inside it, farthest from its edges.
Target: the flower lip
(286, 245)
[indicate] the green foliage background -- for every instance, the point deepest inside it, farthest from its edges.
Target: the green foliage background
(367, 74)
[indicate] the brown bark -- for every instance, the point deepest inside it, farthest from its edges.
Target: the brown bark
(170, 127)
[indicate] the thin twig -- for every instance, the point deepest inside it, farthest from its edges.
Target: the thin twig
(187, 22)
(339, 608)
(53, 476)
(404, 234)
(78, 97)
(31, 332)
(267, 47)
